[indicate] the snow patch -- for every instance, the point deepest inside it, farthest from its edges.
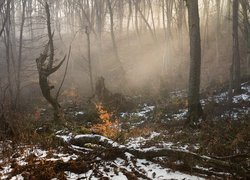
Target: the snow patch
(139, 141)
(143, 113)
(155, 171)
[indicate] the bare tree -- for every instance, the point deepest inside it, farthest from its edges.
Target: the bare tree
(115, 48)
(5, 18)
(218, 28)
(236, 53)
(235, 67)
(19, 62)
(245, 4)
(87, 32)
(130, 12)
(145, 20)
(194, 106)
(100, 16)
(45, 69)
(169, 11)
(164, 19)
(7, 42)
(152, 17)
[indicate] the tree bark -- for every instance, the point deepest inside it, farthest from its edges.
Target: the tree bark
(236, 53)
(245, 4)
(194, 106)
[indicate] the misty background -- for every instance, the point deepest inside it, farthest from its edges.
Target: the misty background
(151, 37)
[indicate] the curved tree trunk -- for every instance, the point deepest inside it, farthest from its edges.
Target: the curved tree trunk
(45, 69)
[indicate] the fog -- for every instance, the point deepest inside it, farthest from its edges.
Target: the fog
(150, 61)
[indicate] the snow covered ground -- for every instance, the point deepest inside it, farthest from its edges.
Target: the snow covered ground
(112, 170)
(234, 113)
(117, 169)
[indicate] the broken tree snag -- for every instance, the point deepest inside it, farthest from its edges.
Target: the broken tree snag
(101, 92)
(45, 68)
(115, 101)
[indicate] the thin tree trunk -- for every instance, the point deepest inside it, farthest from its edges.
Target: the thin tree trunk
(236, 54)
(152, 18)
(19, 67)
(50, 34)
(145, 21)
(169, 11)
(8, 47)
(129, 18)
(113, 39)
(206, 18)
(89, 59)
(121, 15)
(136, 21)
(164, 19)
(99, 15)
(218, 29)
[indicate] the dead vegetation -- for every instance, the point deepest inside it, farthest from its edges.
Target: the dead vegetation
(215, 148)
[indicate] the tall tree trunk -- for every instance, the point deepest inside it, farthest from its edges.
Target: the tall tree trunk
(50, 34)
(145, 20)
(228, 12)
(236, 53)
(137, 21)
(245, 4)
(164, 19)
(8, 47)
(99, 25)
(121, 15)
(180, 20)
(194, 106)
(115, 48)
(19, 62)
(205, 19)
(129, 18)
(169, 11)
(30, 10)
(152, 18)
(87, 31)
(218, 29)
(13, 36)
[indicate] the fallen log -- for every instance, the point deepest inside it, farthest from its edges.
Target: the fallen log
(149, 154)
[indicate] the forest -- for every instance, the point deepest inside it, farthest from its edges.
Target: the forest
(124, 89)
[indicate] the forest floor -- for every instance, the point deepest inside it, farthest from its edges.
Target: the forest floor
(150, 141)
